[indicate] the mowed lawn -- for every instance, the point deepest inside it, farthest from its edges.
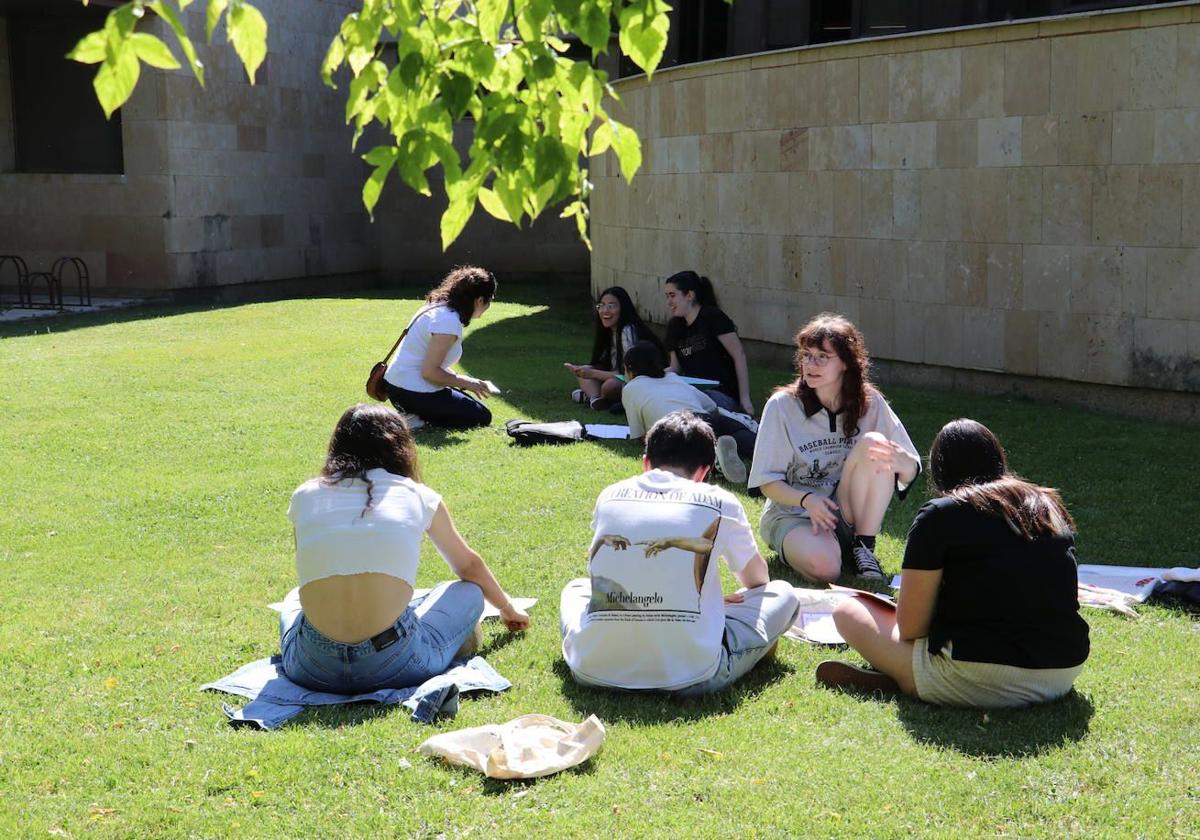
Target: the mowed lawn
(147, 458)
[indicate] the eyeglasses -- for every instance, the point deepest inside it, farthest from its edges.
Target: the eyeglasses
(815, 359)
(607, 307)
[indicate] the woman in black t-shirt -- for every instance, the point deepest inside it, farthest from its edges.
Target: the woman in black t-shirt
(703, 342)
(988, 614)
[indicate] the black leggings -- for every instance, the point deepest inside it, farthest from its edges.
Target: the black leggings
(447, 408)
(722, 425)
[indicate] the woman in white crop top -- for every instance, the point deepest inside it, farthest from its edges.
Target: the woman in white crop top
(358, 529)
(419, 379)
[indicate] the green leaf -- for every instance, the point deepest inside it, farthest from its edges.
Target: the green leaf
(593, 25)
(116, 79)
(247, 30)
(457, 214)
(168, 14)
(334, 57)
(601, 140)
(628, 147)
(153, 51)
(90, 49)
(374, 185)
(531, 17)
(492, 204)
(643, 33)
(216, 8)
(491, 17)
(456, 90)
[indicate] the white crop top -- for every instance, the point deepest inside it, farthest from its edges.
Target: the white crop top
(335, 537)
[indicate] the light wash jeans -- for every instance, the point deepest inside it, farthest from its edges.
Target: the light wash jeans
(751, 627)
(429, 633)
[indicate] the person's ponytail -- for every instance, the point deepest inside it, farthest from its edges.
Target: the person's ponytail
(700, 286)
(705, 294)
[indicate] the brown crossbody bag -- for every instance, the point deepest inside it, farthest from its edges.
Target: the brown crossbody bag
(376, 384)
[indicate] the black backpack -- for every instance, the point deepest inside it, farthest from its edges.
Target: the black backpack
(529, 433)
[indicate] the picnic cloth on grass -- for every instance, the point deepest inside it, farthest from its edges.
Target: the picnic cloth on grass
(524, 748)
(274, 699)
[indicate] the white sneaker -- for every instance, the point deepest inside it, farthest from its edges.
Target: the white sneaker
(729, 461)
(579, 397)
(414, 422)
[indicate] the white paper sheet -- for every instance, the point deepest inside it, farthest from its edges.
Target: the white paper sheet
(607, 431)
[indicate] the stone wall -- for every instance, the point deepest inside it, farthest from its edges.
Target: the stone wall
(226, 184)
(1017, 198)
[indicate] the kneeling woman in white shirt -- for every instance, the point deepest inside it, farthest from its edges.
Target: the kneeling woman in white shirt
(419, 379)
(358, 529)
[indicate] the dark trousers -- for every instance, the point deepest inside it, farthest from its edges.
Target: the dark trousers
(447, 408)
(722, 425)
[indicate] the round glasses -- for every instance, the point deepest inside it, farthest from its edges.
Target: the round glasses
(815, 359)
(607, 307)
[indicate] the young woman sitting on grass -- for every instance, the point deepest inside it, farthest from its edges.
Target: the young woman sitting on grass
(988, 614)
(830, 455)
(617, 327)
(419, 378)
(703, 342)
(651, 393)
(358, 529)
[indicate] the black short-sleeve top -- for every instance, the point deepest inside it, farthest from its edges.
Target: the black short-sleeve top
(699, 350)
(1003, 598)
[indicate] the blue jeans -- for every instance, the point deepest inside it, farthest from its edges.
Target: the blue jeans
(428, 634)
(447, 408)
(723, 400)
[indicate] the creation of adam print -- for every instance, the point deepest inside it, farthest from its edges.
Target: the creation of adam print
(609, 594)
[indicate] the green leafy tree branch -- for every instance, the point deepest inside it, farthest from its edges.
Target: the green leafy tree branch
(536, 115)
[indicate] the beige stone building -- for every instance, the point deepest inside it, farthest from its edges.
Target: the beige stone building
(1013, 202)
(192, 191)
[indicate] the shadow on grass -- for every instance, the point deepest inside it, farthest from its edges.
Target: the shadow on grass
(998, 733)
(649, 708)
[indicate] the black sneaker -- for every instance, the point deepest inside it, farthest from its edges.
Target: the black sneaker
(866, 563)
(834, 673)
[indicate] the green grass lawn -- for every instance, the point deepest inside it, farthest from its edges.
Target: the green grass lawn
(147, 458)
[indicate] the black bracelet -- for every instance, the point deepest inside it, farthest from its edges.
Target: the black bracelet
(805, 496)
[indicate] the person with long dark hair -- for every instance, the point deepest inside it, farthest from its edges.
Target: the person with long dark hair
(703, 342)
(988, 614)
(358, 529)
(829, 457)
(419, 379)
(617, 327)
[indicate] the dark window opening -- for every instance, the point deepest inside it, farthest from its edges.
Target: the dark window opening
(58, 125)
(702, 30)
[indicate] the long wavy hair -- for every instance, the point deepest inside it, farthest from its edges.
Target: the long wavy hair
(461, 287)
(369, 437)
(847, 341)
(602, 342)
(968, 463)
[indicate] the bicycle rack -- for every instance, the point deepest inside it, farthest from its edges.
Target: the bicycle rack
(53, 279)
(22, 273)
(82, 278)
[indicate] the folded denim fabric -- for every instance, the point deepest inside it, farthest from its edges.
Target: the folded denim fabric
(275, 699)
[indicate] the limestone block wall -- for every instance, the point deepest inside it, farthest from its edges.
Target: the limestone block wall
(264, 185)
(1014, 198)
(226, 184)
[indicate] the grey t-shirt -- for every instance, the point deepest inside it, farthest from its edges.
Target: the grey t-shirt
(809, 452)
(647, 400)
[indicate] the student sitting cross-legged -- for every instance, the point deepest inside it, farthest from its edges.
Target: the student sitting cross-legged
(651, 615)
(652, 392)
(989, 605)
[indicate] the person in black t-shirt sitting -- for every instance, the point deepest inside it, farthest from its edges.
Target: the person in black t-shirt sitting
(703, 341)
(988, 614)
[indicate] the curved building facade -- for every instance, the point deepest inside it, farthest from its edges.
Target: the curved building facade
(1018, 198)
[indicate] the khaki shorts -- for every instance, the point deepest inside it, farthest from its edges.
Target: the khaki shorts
(776, 525)
(944, 681)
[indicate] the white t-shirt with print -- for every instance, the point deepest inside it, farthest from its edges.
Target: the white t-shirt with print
(405, 368)
(809, 452)
(657, 616)
(647, 400)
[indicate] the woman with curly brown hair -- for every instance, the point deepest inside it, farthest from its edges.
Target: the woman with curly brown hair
(829, 456)
(420, 381)
(358, 531)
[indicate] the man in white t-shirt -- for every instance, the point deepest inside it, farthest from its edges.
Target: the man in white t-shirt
(651, 615)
